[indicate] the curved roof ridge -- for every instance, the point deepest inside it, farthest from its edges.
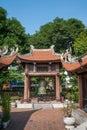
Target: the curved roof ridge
(5, 61)
(42, 49)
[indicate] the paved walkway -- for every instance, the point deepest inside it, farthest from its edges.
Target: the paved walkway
(42, 119)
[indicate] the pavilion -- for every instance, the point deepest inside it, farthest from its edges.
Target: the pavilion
(42, 63)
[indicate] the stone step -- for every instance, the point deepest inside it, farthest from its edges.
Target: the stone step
(25, 105)
(80, 116)
(83, 126)
(42, 106)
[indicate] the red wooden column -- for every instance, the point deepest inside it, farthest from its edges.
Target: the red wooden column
(57, 83)
(57, 87)
(80, 91)
(26, 86)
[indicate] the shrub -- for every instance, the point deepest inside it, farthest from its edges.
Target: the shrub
(6, 106)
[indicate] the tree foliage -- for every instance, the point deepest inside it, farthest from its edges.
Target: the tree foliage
(60, 32)
(80, 44)
(12, 74)
(12, 32)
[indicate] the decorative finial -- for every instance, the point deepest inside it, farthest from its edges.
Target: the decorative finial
(14, 50)
(32, 47)
(16, 46)
(52, 46)
(3, 51)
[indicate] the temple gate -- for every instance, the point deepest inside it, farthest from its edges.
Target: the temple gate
(41, 63)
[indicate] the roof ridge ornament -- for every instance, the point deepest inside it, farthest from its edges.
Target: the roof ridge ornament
(14, 50)
(52, 47)
(67, 56)
(31, 48)
(3, 51)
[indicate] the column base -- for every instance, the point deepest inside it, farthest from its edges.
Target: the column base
(57, 99)
(27, 100)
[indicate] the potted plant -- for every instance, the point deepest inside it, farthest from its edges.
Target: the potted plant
(13, 103)
(5, 109)
(68, 118)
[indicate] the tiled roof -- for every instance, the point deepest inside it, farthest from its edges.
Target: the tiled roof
(5, 61)
(40, 55)
(74, 66)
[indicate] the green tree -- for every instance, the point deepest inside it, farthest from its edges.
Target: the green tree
(12, 32)
(80, 44)
(13, 73)
(59, 32)
(62, 33)
(3, 14)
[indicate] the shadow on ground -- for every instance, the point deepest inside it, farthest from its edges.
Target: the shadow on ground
(40, 119)
(19, 120)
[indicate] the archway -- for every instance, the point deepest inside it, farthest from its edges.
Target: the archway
(41, 63)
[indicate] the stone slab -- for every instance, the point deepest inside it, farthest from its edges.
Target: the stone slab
(25, 105)
(58, 105)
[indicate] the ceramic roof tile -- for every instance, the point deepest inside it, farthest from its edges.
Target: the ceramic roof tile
(41, 55)
(5, 61)
(74, 66)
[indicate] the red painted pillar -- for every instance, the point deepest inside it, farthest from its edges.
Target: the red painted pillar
(26, 86)
(80, 91)
(57, 87)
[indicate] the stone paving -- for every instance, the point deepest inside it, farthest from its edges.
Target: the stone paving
(41, 119)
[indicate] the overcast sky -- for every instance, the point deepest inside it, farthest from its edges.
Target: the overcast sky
(34, 13)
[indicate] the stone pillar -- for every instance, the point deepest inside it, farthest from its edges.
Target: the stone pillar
(57, 87)
(80, 91)
(26, 86)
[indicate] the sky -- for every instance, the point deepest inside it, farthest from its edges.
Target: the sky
(32, 14)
